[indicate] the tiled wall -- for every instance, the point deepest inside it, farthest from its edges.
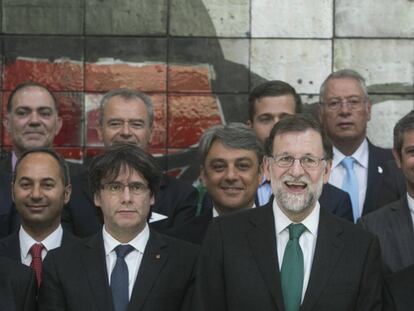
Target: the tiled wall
(198, 59)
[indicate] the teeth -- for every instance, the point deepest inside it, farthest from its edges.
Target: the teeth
(295, 183)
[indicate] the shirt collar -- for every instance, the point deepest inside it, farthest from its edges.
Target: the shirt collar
(410, 201)
(360, 155)
(139, 242)
(52, 241)
(13, 160)
(264, 181)
(311, 222)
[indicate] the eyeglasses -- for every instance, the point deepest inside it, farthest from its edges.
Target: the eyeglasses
(116, 187)
(354, 103)
(307, 162)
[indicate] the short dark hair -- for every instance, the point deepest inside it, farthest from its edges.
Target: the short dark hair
(406, 123)
(107, 166)
(234, 135)
(64, 170)
(28, 84)
(298, 123)
(273, 89)
(127, 94)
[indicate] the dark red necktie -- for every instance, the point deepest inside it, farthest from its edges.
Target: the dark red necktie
(36, 264)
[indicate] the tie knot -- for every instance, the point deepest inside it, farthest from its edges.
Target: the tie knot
(36, 250)
(295, 231)
(348, 163)
(123, 250)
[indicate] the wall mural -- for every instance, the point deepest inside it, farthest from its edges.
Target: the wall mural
(196, 75)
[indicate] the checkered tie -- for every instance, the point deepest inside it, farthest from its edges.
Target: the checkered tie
(36, 264)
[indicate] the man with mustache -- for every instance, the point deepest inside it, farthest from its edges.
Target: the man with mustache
(291, 253)
(33, 121)
(345, 109)
(231, 169)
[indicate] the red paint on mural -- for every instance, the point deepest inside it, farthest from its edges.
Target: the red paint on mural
(60, 75)
(189, 78)
(102, 77)
(189, 117)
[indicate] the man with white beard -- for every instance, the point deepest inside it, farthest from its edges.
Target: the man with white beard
(290, 254)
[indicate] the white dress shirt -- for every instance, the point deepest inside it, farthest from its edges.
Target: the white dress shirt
(307, 240)
(338, 172)
(264, 191)
(52, 241)
(133, 259)
(410, 201)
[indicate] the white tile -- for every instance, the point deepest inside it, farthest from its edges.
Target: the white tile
(387, 65)
(292, 19)
(374, 18)
(384, 115)
(302, 63)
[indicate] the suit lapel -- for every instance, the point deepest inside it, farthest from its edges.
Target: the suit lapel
(262, 242)
(94, 262)
(154, 258)
(402, 222)
(10, 247)
(328, 249)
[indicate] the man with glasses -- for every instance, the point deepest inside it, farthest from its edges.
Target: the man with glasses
(358, 165)
(291, 253)
(127, 265)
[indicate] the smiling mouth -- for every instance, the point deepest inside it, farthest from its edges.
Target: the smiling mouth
(295, 186)
(345, 124)
(36, 208)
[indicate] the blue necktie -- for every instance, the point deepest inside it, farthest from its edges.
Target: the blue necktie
(291, 273)
(350, 185)
(119, 278)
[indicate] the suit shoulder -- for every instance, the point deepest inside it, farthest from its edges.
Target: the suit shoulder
(382, 154)
(175, 183)
(382, 213)
(179, 245)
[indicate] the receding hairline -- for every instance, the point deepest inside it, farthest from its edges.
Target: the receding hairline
(28, 87)
(222, 142)
(126, 100)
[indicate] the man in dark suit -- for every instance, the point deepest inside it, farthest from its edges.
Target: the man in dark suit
(358, 165)
(32, 121)
(126, 266)
(268, 103)
(231, 169)
(393, 224)
(41, 186)
(17, 286)
(127, 116)
(291, 253)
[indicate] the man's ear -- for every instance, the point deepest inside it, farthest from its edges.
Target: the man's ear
(397, 157)
(266, 167)
(202, 175)
(6, 123)
(67, 193)
(327, 171)
(97, 199)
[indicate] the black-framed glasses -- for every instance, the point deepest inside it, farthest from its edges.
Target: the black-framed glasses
(307, 162)
(117, 187)
(353, 103)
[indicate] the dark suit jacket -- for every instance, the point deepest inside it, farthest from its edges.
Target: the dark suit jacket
(176, 200)
(75, 278)
(10, 246)
(332, 199)
(394, 227)
(399, 289)
(375, 197)
(80, 198)
(17, 286)
(238, 266)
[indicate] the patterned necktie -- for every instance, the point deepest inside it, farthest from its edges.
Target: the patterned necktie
(350, 185)
(119, 278)
(292, 269)
(36, 264)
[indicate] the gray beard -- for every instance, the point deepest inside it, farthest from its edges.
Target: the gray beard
(299, 203)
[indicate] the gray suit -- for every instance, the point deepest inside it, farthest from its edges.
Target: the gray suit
(394, 227)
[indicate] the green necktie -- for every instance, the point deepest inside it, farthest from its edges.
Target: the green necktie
(292, 269)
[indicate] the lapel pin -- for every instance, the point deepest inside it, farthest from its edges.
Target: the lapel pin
(380, 170)
(158, 256)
